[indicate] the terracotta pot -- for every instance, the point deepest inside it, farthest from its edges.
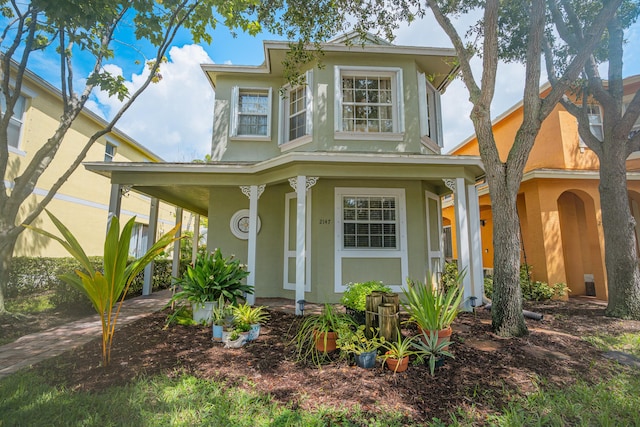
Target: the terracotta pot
(443, 334)
(398, 365)
(330, 341)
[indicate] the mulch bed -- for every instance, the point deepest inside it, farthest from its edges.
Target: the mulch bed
(485, 371)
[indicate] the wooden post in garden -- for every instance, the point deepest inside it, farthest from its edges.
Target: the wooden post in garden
(388, 318)
(374, 299)
(392, 298)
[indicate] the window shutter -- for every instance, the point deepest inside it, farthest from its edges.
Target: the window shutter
(235, 92)
(309, 106)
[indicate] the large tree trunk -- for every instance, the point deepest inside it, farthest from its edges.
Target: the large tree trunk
(506, 310)
(6, 255)
(623, 275)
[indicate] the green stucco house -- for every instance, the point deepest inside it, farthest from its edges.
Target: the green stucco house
(335, 181)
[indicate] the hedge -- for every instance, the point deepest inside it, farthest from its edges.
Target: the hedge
(38, 275)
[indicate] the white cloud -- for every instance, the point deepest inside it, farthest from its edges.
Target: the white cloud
(174, 117)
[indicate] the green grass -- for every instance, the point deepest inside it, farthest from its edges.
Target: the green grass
(629, 343)
(26, 399)
(30, 304)
(612, 402)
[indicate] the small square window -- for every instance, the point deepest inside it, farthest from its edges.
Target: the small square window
(109, 152)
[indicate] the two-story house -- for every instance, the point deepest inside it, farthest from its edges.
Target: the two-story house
(558, 200)
(334, 181)
(83, 200)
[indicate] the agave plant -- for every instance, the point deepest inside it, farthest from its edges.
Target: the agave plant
(104, 289)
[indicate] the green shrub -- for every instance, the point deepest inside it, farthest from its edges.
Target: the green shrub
(35, 275)
(531, 291)
(355, 297)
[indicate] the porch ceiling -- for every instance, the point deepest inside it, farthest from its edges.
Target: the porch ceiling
(187, 184)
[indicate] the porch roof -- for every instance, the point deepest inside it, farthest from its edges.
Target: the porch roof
(187, 184)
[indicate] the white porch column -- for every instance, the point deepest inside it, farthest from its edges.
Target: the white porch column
(196, 239)
(477, 276)
(462, 236)
(301, 184)
(115, 202)
(253, 192)
(175, 264)
(154, 209)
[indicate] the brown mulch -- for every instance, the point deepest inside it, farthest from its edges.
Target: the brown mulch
(486, 370)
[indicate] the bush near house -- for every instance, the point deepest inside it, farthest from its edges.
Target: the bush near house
(531, 290)
(37, 275)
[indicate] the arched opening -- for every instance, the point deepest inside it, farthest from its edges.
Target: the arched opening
(580, 244)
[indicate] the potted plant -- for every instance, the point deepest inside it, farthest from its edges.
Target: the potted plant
(355, 297)
(253, 316)
(210, 277)
(431, 347)
(219, 314)
(316, 335)
(397, 355)
(364, 349)
(432, 308)
(235, 339)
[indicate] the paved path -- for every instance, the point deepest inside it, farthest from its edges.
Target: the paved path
(34, 348)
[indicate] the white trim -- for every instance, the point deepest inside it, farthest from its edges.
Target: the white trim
(296, 143)
(427, 142)
(87, 203)
(235, 220)
(17, 151)
(368, 136)
(254, 195)
(434, 253)
(475, 240)
(400, 252)
(288, 254)
(285, 115)
(397, 97)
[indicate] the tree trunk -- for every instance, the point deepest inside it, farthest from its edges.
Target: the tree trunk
(623, 275)
(506, 311)
(6, 255)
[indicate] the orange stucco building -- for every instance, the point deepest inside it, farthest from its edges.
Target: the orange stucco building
(558, 202)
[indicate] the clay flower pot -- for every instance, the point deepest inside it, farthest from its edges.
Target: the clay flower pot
(327, 345)
(443, 335)
(397, 365)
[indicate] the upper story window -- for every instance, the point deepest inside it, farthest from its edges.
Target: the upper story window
(368, 100)
(251, 112)
(296, 112)
(595, 121)
(109, 152)
(17, 120)
(429, 110)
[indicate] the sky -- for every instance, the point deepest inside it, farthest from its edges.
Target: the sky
(174, 118)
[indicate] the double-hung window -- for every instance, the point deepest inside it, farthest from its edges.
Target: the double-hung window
(595, 121)
(368, 100)
(369, 222)
(251, 112)
(429, 110)
(16, 122)
(109, 152)
(296, 115)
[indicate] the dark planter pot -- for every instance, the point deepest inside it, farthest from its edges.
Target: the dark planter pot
(366, 360)
(357, 316)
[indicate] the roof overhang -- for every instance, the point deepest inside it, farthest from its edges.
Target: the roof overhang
(188, 184)
(435, 61)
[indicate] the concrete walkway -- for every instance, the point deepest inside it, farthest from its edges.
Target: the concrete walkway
(34, 348)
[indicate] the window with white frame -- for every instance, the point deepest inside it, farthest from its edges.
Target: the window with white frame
(595, 121)
(296, 115)
(636, 126)
(429, 109)
(368, 100)
(369, 222)
(109, 152)
(17, 120)
(251, 112)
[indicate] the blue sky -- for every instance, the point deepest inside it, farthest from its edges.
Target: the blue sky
(174, 117)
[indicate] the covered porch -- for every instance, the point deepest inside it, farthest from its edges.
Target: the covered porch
(293, 241)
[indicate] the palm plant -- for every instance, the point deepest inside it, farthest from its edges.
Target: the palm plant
(398, 350)
(429, 347)
(250, 315)
(104, 289)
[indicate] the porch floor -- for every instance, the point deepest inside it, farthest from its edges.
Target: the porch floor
(288, 305)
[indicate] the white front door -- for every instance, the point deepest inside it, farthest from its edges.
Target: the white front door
(289, 272)
(435, 254)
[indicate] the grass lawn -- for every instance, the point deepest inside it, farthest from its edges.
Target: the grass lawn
(184, 400)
